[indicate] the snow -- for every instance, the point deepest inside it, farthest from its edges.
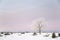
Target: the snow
(28, 36)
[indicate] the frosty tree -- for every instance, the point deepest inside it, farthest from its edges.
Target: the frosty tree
(39, 24)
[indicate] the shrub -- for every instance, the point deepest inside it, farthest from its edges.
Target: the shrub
(34, 34)
(53, 35)
(7, 33)
(22, 32)
(59, 34)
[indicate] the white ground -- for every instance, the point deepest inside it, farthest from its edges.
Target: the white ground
(28, 36)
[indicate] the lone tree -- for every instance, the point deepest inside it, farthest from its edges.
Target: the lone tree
(39, 24)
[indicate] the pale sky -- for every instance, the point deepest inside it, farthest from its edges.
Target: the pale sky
(18, 15)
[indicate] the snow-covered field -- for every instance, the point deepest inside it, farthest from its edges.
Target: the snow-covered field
(29, 36)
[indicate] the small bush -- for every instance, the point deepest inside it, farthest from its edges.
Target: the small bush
(2, 32)
(7, 33)
(53, 35)
(22, 32)
(34, 34)
(59, 34)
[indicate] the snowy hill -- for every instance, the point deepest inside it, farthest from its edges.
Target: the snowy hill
(29, 36)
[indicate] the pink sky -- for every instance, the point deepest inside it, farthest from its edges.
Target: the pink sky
(19, 15)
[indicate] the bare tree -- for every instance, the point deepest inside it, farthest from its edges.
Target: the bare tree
(40, 27)
(39, 24)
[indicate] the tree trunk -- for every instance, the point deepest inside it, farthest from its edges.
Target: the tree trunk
(39, 30)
